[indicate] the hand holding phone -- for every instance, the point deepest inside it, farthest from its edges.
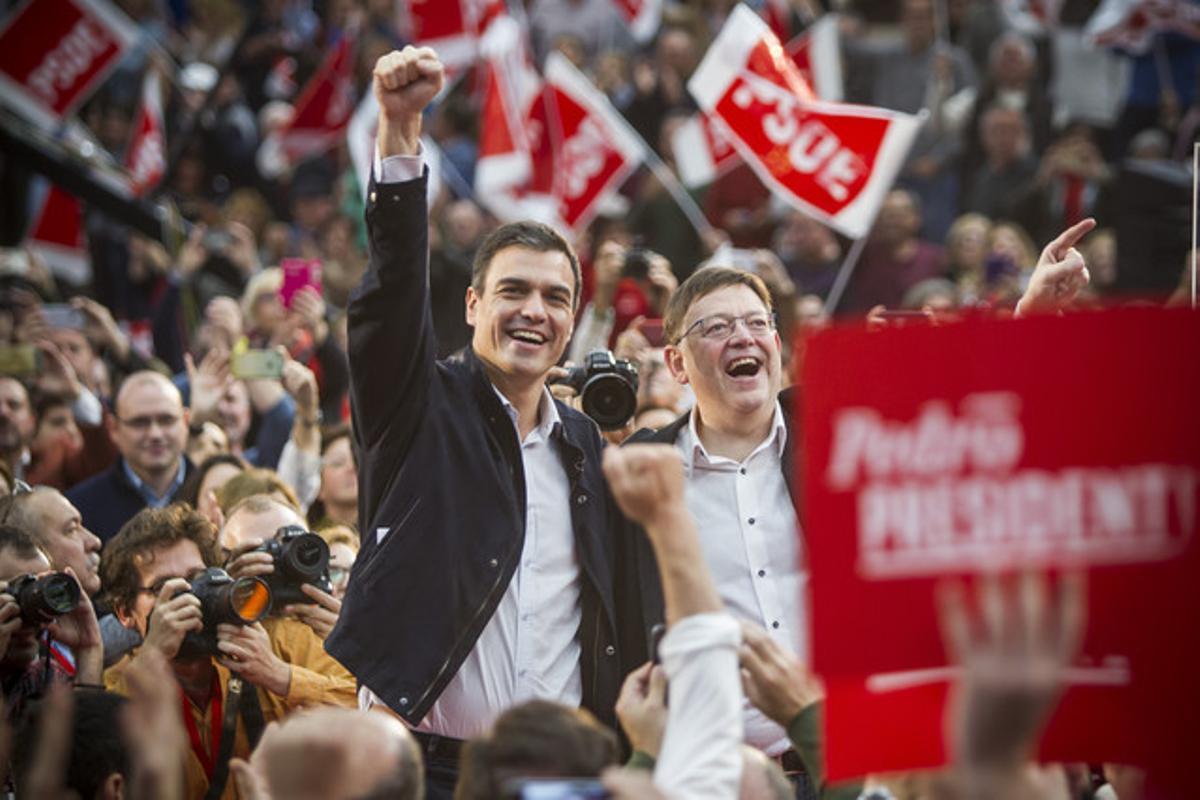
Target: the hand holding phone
(256, 364)
(298, 273)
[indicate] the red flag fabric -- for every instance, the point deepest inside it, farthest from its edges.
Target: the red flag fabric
(55, 53)
(966, 461)
(642, 16)
(830, 160)
(778, 16)
(595, 150)
(146, 159)
(702, 151)
(324, 107)
(56, 235)
(818, 55)
(451, 27)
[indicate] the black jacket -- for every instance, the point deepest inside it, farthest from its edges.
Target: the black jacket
(640, 564)
(108, 500)
(440, 471)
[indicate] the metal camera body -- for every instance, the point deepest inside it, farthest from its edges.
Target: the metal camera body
(608, 387)
(42, 600)
(300, 557)
(224, 600)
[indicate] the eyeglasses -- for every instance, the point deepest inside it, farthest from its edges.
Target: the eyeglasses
(719, 327)
(19, 487)
(142, 424)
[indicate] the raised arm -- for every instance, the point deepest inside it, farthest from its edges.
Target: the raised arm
(392, 349)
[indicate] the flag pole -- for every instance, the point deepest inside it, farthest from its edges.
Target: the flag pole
(844, 273)
(680, 195)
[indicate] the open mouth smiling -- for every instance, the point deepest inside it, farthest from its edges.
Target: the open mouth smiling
(743, 367)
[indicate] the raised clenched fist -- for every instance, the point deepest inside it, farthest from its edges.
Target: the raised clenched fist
(405, 81)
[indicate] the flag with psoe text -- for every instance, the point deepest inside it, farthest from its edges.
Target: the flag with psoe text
(594, 149)
(324, 107)
(831, 160)
(146, 159)
(55, 53)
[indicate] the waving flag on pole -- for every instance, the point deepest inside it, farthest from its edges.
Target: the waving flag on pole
(1132, 24)
(56, 235)
(830, 160)
(451, 27)
(703, 151)
(595, 150)
(818, 56)
(146, 159)
(324, 107)
(642, 16)
(778, 16)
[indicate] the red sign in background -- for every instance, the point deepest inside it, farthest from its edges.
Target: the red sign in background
(1006, 445)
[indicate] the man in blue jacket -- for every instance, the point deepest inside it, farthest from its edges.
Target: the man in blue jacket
(487, 570)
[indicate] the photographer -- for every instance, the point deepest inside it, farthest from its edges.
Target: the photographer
(60, 644)
(148, 571)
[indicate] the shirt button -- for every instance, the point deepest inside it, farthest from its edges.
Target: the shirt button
(750, 521)
(762, 573)
(372, 198)
(610, 651)
(493, 562)
(775, 624)
(742, 470)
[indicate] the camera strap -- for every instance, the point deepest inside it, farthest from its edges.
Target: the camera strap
(240, 698)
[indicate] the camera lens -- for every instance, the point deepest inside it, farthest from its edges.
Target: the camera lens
(249, 599)
(60, 593)
(305, 556)
(42, 599)
(610, 401)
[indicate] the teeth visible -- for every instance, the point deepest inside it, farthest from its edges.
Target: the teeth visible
(528, 336)
(742, 361)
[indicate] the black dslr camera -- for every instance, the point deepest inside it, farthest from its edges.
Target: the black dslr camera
(608, 387)
(224, 600)
(44, 599)
(300, 557)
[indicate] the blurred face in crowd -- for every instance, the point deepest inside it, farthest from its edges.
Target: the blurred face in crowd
(57, 424)
(339, 475)
(1004, 134)
(23, 643)
(150, 428)
(677, 51)
(801, 238)
(1012, 63)
(732, 376)
(216, 477)
(78, 350)
(246, 527)
(60, 532)
(267, 312)
(182, 559)
(233, 412)
(525, 315)
(464, 225)
(898, 221)
(16, 416)
(209, 440)
(917, 21)
(967, 242)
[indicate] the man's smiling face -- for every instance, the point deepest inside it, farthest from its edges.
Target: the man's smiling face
(524, 317)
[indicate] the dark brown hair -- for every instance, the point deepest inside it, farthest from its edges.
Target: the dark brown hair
(151, 529)
(703, 282)
(530, 235)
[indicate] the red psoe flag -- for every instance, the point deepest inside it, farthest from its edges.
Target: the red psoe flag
(830, 160)
(56, 235)
(55, 53)
(146, 159)
(817, 54)
(595, 150)
(642, 16)
(324, 107)
(444, 26)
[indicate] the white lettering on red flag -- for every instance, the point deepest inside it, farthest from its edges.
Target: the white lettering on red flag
(147, 156)
(594, 148)
(54, 53)
(831, 160)
(817, 54)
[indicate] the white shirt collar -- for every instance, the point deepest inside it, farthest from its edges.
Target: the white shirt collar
(694, 451)
(548, 417)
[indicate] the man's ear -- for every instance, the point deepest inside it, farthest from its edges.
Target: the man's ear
(673, 358)
(472, 303)
(124, 617)
(113, 787)
(110, 424)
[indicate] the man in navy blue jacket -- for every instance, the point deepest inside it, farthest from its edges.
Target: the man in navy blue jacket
(488, 563)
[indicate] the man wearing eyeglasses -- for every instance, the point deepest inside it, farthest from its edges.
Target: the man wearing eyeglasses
(149, 429)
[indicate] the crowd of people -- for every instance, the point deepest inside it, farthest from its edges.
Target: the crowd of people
(506, 595)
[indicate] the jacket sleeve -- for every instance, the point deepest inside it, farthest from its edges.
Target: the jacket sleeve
(317, 678)
(391, 343)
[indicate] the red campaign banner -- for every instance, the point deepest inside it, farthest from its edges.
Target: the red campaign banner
(147, 156)
(54, 53)
(994, 445)
(594, 149)
(817, 55)
(831, 160)
(702, 151)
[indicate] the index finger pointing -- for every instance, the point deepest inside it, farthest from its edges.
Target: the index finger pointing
(1070, 237)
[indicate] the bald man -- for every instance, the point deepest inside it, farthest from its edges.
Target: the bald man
(149, 429)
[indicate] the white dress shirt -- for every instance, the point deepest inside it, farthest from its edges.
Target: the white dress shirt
(751, 541)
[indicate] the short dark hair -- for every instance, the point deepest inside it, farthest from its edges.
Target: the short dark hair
(20, 542)
(98, 747)
(151, 529)
(530, 235)
(703, 282)
(538, 737)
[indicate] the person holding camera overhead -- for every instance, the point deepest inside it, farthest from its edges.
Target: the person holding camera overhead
(161, 575)
(487, 568)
